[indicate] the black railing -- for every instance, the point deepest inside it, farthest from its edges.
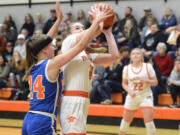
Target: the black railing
(71, 2)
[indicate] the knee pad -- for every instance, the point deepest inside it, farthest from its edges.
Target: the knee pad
(150, 128)
(124, 126)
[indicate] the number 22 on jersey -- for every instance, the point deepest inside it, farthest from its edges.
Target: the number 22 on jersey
(138, 86)
(36, 87)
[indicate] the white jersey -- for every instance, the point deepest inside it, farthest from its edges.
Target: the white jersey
(143, 96)
(130, 73)
(78, 72)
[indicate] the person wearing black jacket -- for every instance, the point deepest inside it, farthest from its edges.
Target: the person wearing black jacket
(151, 41)
(113, 79)
(160, 88)
(50, 21)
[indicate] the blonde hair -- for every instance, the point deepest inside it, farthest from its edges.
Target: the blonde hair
(141, 53)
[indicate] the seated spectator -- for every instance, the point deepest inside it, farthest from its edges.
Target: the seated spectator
(29, 24)
(151, 41)
(25, 33)
(168, 20)
(4, 72)
(164, 61)
(81, 17)
(174, 33)
(160, 88)
(113, 79)
(143, 20)
(49, 23)
(150, 20)
(65, 25)
(8, 53)
(98, 93)
(9, 32)
(116, 26)
(125, 52)
(128, 16)
(129, 35)
(9, 19)
(174, 82)
(21, 46)
(39, 25)
(17, 70)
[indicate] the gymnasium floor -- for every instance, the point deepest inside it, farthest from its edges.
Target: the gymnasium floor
(13, 127)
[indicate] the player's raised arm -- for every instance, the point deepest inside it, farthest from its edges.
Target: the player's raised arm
(60, 60)
(52, 32)
(113, 54)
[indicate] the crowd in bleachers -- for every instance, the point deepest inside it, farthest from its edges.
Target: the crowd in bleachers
(159, 41)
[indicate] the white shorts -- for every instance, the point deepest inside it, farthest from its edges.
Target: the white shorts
(141, 100)
(73, 114)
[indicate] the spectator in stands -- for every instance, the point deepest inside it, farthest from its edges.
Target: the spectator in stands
(150, 20)
(125, 58)
(9, 19)
(113, 79)
(81, 17)
(8, 53)
(116, 25)
(130, 35)
(156, 90)
(17, 70)
(98, 93)
(2, 43)
(9, 33)
(164, 61)
(143, 20)
(174, 33)
(25, 33)
(168, 20)
(65, 25)
(151, 41)
(39, 25)
(50, 21)
(128, 15)
(21, 46)
(29, 24)
(4, 72)
(174, 82)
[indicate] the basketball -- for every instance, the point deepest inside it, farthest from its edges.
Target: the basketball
(110, 20)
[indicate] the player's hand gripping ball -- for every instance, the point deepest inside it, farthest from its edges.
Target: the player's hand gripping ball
(101, 7)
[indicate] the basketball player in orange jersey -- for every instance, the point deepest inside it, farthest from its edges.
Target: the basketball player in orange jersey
(137, 79)
(78, 79)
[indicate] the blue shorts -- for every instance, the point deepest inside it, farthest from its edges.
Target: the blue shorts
(38, 124)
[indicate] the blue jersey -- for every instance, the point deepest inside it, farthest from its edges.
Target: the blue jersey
(43, 92)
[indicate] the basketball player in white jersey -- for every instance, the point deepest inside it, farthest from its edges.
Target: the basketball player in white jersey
(137, 79)
(78, 77)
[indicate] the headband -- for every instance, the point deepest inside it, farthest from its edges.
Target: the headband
(42, 45)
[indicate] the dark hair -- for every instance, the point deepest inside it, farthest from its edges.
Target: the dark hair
(33, 46)
(124, 48)
(130, 8)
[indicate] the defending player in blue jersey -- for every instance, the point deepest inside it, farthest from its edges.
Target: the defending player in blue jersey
(43, 75)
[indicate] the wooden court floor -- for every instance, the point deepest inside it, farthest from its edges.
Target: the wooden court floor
(13, 127)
